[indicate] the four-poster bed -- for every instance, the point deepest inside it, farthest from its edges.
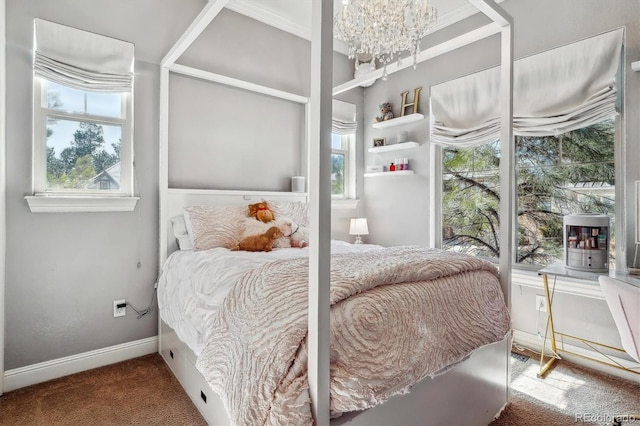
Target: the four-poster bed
(480, 382)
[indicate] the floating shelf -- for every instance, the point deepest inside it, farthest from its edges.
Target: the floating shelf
(394, 147)
(396, 173)
(398, 121)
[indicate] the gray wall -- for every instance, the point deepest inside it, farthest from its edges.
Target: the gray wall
(64, 270)
(223, 137)
(393, 202)
(227, 138)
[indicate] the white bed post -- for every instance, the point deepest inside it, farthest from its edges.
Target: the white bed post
(204, 18)
(508, 175)
(3, 185)
(507, 149)
(320, 202)
(164, 162)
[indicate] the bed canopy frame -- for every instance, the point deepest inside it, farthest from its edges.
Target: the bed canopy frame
(317, 165)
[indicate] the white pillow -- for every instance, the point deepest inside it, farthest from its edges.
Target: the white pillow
(181, 233)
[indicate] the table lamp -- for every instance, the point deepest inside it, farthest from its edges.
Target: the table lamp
(359, 227)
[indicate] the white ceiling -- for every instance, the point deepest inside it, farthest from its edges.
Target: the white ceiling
(294, 16)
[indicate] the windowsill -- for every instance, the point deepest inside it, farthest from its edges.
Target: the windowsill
(346, 204)
(80, 203)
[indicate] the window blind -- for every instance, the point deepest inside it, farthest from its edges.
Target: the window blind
(555, 91)
(343, 120)
(81, 59)
(342, 128)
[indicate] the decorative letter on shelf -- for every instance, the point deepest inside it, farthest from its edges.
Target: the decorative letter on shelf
(416, 99)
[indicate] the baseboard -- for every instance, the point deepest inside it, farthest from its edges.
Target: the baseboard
(37, 373)
(531, 341)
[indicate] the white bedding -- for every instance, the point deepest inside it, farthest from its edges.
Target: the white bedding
(187, 297)
(398, 315)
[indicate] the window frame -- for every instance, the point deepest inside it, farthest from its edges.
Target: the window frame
(75, 200)
(436, 176)
(349, 166)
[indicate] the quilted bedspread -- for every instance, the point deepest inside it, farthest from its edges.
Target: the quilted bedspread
(398, 315)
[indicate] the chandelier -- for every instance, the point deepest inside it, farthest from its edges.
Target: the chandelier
(383, 29)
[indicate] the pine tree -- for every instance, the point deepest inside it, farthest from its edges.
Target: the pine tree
(556, 175)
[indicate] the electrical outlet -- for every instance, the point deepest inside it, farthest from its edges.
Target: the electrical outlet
(119, 312)
(541, 303)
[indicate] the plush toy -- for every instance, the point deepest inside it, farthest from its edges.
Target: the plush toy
(260, 242)
(385, 110)
(299, 235)
(255, 227)
(261, 212)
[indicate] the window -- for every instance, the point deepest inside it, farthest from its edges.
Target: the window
(558, 175)
(573, 172)
(564, 122)
(82, 134)
(343, 146)
(470, 200)
(341, 175)
(83, 126)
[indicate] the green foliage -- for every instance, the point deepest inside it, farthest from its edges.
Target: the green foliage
(337, 174)
(82, 160)
(79, 175)
(54, 165)
(556, 175)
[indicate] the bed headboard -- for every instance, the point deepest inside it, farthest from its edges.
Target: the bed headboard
(177, 199)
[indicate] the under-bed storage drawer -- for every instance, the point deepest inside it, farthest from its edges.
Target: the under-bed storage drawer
(182, 362)
(207, 401)
(171, 349)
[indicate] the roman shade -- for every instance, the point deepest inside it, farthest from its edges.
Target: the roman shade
(555, 91)
(343, 120)
(81, 59)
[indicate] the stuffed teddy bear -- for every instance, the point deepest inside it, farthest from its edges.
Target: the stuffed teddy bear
(385, 110)
(261, 212)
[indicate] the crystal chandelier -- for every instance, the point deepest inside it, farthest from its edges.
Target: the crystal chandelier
(384, 29)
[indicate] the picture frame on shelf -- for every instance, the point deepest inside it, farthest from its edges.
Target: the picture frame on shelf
(379, 142)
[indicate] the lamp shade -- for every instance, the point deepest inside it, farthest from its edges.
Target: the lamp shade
(359, 226)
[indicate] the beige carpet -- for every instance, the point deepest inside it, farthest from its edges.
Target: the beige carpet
(143, 391)
(140, 391)
(567, 395)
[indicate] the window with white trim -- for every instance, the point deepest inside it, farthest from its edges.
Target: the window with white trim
(341, 168)
(343, 145)
(83, 118)
(80, 134)
(557, 175)
(565, 115)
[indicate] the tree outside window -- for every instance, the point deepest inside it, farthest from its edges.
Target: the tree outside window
(82, 146)
(340, 171)
(569, 173)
